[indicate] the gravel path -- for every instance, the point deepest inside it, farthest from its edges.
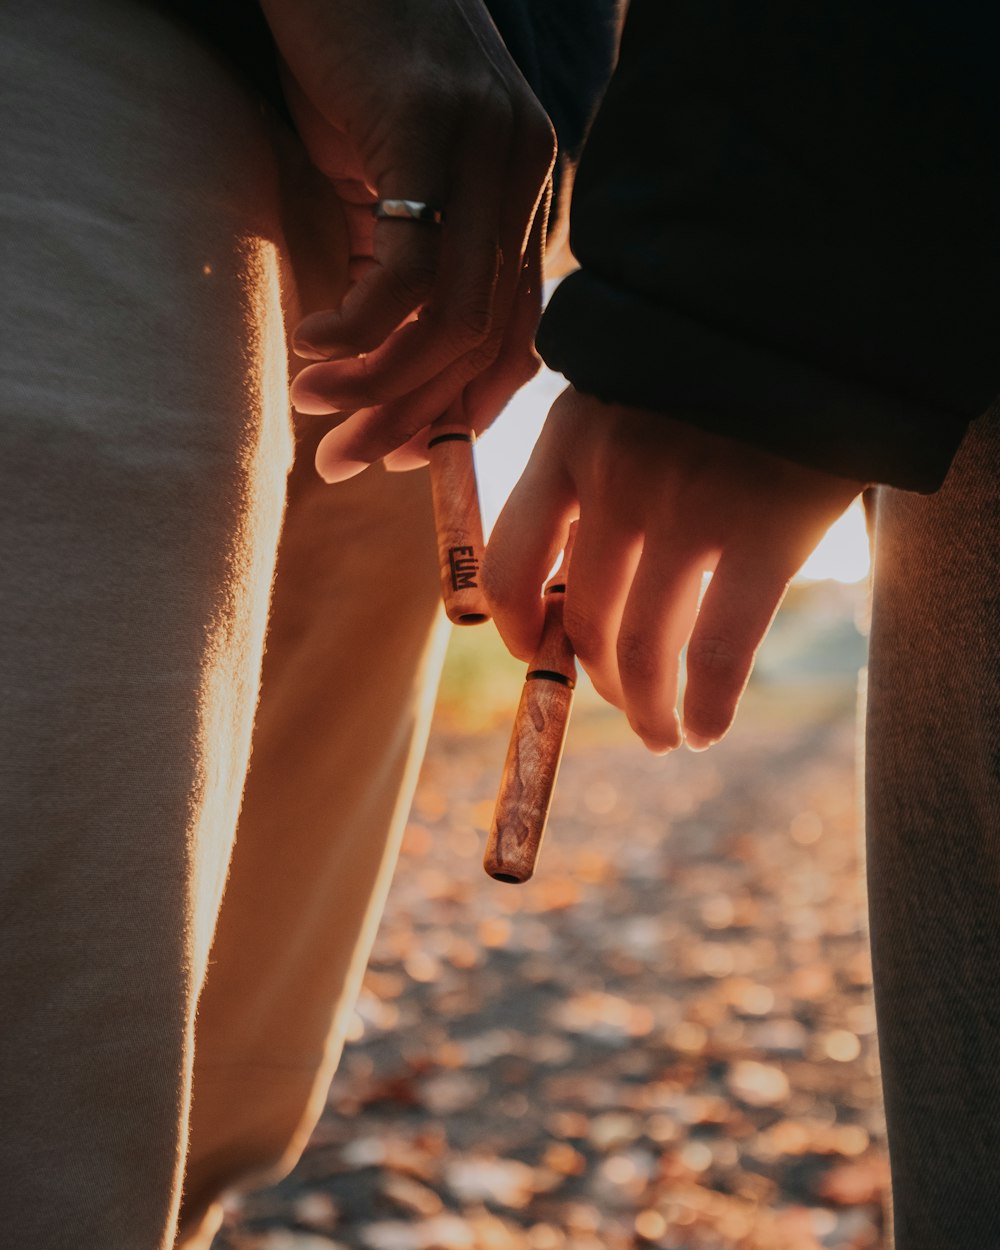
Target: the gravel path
(666, 1039)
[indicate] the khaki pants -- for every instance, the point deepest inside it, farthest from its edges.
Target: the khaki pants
(159, 235)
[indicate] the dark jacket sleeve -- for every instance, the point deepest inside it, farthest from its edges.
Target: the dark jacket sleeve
(787, 218)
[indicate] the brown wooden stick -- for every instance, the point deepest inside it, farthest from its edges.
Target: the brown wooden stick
(536, 744)
(457, 521)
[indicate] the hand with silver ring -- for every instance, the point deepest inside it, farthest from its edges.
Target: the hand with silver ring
(441, 157)
(407, 210)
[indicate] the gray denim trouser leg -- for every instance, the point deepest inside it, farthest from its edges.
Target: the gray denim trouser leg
(933, 818)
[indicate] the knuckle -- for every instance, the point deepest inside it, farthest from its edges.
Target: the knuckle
(716, 658)
(494, 105)
(365, 342)
(387, 434)
(410, 280)
(467, 326)
(361, 339)
(429, 104)
(469, 318)
(638, 660)
(395, 435)
(478, 360)
(367, 391)
(585, 633)
(432, 96)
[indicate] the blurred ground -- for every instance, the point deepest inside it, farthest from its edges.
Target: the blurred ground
(666, 1039)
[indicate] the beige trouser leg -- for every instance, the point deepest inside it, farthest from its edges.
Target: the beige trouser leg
(144, 447)
(329, 786)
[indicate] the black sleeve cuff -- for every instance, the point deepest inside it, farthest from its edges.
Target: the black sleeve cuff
(623, 348)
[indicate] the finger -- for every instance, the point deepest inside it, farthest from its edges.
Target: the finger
(657, 621)
(372, 433)
(737, 610)
(529, 177)
(412, 455)
(517, 361)
(357, 202)
(495, 370)
(405, 254)
(331, 464)
(488, 394)
(481, 270)
(517, 309)
(482, 381)
(401, 276)
(605, 557)
(360, 224)
(526, 539)
(460, 271)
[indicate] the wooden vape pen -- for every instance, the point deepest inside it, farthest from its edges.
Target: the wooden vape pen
(457, 521)
(536, 744)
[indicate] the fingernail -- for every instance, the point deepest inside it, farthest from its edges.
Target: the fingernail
(657, 748)
(659, 743)
(659, 739)
(341, 470)
(405, 465)
(330, 351)
(305, 352)
(695, 742)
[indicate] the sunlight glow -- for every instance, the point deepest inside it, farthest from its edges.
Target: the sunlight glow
(503, 450)
(843, 553)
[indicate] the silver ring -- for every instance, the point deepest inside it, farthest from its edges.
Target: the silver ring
(407, 210)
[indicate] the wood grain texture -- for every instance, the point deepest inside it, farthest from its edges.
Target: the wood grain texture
(457, 521)
(536, 745)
